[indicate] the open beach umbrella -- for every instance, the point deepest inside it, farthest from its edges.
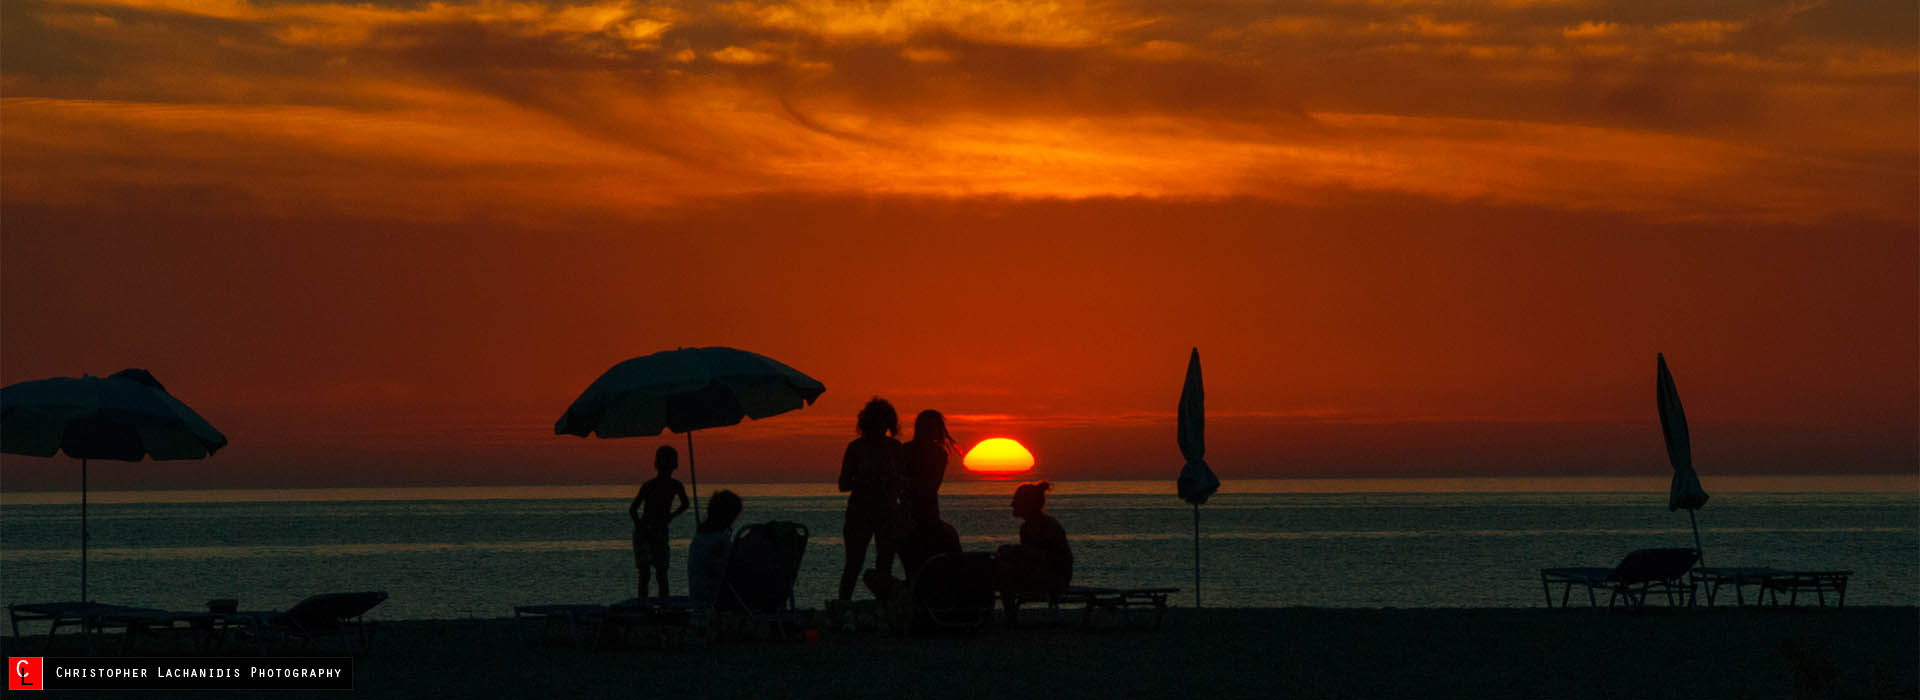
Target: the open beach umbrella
(686, 390)
(1197, 481)
(125, 416)
(1685, 492)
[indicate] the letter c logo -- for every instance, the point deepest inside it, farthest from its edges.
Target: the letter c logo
(25, 669)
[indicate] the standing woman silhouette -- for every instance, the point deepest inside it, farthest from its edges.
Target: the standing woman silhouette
(870, 476)
(926, 467)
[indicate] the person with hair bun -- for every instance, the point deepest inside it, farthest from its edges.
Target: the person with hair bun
(1042, 562)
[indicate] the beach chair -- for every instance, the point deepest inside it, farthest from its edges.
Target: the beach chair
(952, 591)
(762, 567)
(328, 616)
(1641, 573)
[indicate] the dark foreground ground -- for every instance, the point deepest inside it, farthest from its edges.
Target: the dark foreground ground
(1265, 653)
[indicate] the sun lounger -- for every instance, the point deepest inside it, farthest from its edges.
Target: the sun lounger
(674, 621)
(1710, 579)
(1088, 599)
(1641, 573)
(91, 618)
(328, 616)
(1771, 583)
(1819, 583)
(201, 628)
(573, 616)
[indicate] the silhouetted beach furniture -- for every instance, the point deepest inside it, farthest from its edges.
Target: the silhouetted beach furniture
(673, 622)
(325, 617)
(1770, 584)
(953, 590)
(92, 619)
(202, 629)
(1088, 599)
(574, 617)
(1819, 583)
(1640, 573)
(762, 567)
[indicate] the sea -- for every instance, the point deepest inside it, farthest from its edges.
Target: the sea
(475, 552)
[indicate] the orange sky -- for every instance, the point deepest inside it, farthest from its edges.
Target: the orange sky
(389, 242)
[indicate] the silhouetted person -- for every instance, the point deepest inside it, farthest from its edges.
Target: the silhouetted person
(1042, 562)
(870, 476)
(652, 509)
(712, 543)
(926, 468)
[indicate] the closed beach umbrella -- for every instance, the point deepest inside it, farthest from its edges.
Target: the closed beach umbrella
(126, 416)
(686, 390)
(1197, 481)
(1685, 492)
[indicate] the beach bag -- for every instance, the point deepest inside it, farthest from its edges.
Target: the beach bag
(954, 590)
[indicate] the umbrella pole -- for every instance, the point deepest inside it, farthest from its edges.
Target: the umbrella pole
(693, 475)
(83, 529)
(1698, 551)
(1196, 556)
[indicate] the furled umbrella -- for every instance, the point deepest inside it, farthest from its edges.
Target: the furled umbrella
(125, 416)
(1197, 481)
(686, 390)
(1685, 492)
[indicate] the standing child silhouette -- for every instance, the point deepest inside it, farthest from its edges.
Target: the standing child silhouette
(652, 509)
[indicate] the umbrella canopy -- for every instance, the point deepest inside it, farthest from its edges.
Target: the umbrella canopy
(686, 390)
(1685, 491)
(125, 416)
(1197, 481)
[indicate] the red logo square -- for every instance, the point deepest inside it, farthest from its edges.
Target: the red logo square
(23, 673)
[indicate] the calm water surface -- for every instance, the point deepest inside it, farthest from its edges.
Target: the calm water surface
(467, 552)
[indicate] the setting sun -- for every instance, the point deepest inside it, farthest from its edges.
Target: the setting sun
(999, 456)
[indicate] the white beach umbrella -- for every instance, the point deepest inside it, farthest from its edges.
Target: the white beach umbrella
(686, 390)
(1685, 491)
(126, 416)
(1197, 481)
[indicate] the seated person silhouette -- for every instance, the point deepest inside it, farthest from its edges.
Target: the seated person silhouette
(1042, 562)
(712, 545)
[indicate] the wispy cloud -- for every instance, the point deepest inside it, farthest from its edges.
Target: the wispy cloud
(1747, 112)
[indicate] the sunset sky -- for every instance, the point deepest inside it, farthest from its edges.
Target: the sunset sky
(387, 243)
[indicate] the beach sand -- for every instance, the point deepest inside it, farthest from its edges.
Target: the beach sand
(1258, 653)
